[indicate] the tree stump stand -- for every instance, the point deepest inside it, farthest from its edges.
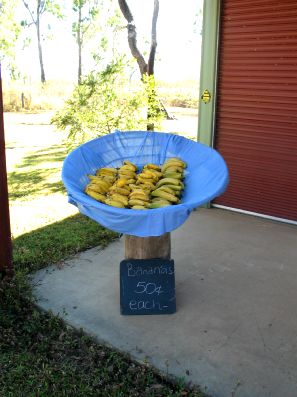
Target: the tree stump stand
(148, 247)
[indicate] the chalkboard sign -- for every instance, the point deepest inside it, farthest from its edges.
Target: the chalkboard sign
(147, 286)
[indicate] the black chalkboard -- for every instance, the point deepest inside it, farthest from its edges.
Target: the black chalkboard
(147, 286)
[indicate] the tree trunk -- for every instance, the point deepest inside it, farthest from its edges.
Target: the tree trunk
(153, 107)
(132, 37)
(144, 68)
(151, 60)
(148, 247)
(42, 73)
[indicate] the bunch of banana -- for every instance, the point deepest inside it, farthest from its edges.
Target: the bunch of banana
(169, 187)
(139, 199)
(118, 195)
(154, 187)
(94, 194)
(108, 174)
(128, 172)
(98, 188)
(173, 164)
(149, 176)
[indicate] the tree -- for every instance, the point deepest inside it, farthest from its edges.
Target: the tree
(86, 10)
(36, 9)
(146, 68)
(100, 104)
(9, 33)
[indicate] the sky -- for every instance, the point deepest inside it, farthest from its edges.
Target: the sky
(178, 50)
(178, 44)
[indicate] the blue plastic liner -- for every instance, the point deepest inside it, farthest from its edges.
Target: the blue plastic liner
(206, 177)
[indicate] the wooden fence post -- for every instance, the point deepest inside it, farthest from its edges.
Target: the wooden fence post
(5, 234)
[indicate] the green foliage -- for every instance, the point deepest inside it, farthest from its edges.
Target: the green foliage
(36, 8)
(9, 33)
(101, 104)
(154, 110)
(89, 10)
(9, 28)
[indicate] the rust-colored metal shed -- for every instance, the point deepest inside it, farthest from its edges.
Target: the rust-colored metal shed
(255, 110)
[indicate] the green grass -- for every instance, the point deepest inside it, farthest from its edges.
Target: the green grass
(58, 241)
(40, 355)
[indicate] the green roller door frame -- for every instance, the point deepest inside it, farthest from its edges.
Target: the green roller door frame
(208, 71)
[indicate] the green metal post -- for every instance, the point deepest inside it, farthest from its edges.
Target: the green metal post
(208, 74)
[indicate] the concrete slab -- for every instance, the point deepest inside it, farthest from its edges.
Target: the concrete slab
(234, 332)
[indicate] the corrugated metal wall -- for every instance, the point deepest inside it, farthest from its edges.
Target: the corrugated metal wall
(256, 122)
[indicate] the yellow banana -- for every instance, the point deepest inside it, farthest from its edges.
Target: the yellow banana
(95, 195)
(153, 167)
(106, 171)
(139, 196)
(127, 174)
(114, 203)
(145, 180)
(176, 159)
(108, 178)
(133, 202)
(97, 188)
(167, 181)
(133, 186)
(97, 181)
(176, 188)
(174, 168)
(130, 181)
(158, 174)
(138, 207)
(172, 163)
(167, 189)
(120, 198)
(147, 186)
(175, 175)
(149, 174)
(160, 199)
(128, 168)
(127, 162)
(139, 190)
(125, 191)
(121, 182)
(167, 196)
(158, 204)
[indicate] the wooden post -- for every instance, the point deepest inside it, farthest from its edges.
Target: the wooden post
(5, 236)
(148, 247)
